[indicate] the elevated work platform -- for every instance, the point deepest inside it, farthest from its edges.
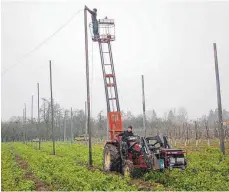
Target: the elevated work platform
(106, 30)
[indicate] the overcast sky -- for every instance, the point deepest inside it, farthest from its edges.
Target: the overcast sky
(169, 42)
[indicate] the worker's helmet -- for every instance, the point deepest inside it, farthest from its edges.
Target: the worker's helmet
(95, 10)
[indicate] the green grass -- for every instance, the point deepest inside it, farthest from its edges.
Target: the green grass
(12, 176)
(63, 173)
(76, 151)
(207, 169)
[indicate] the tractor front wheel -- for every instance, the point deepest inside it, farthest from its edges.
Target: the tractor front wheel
(111, 158)
(127, 168)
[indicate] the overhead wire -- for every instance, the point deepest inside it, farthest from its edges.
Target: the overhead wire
(43, 42)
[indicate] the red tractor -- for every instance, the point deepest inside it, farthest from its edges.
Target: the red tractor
(125, 154)
(150, 153)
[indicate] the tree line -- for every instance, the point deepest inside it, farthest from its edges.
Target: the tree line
(70, 123)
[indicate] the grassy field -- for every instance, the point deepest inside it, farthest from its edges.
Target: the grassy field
(24, 167)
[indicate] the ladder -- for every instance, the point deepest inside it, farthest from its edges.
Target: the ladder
(111, 91)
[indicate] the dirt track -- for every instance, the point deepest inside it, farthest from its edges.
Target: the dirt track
(39, 185)
(42, 186)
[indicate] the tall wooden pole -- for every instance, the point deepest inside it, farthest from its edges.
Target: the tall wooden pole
(71, 125)
(25, 125)
(207, 131)
(32, 110)
(59, 126)
(88, 89)
(196, 133)
(53, 134)
(86, 131)
(44, 112)
(220, 122)
(65, 115)
(38, 114)
(143, 105)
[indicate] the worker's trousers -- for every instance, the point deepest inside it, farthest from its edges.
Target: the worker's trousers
(96, 29)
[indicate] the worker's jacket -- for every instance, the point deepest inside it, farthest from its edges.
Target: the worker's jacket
(126, 134)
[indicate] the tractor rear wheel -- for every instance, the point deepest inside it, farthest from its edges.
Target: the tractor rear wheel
(111, 158)
(128, 168)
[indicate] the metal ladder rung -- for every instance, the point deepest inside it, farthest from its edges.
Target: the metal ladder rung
(110, 84)
(109, 75)
(113, 98)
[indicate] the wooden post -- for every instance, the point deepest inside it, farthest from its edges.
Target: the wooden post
(53, 134)
(71, 125)
(207, 132)
(23, 121)
(86, 131)
(25, 126)
(38, 112)
(220, 122)
(143, 105)
(88, 88)
(32, 110)
(65, 115)
(196, 133)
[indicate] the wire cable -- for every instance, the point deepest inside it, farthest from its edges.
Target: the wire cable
(43, 42)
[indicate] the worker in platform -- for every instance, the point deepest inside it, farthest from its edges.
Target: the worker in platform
(94, 21)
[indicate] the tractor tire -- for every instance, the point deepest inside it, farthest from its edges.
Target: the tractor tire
(111, 158)
(127, 169)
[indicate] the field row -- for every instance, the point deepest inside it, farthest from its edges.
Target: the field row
(62, 173)
(207, 169)
(67, 170)
(13, 176)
